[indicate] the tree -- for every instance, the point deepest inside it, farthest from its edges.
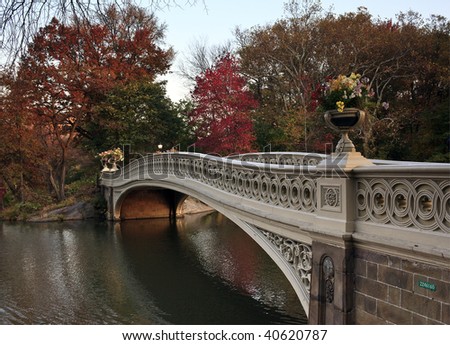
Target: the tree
(406, 62)
(20, 151)
(68, 69)
(222, 107)
(281, 63)
(201, 57)
(138, 114)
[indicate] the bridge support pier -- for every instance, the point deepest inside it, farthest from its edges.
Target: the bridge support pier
(331, 287)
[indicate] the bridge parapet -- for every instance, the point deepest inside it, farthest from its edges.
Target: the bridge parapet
(286, 186)
(413, 195)
(405, 210)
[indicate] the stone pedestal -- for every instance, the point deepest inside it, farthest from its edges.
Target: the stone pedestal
(344, 162)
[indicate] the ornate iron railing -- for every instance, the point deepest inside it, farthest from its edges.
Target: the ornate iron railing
(412, 195)
(292, 187)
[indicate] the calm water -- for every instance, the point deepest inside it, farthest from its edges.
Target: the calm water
(201, 270)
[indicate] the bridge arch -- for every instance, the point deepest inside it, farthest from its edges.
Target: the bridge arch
(168, 202)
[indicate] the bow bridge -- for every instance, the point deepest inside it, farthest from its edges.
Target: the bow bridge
(364, 243)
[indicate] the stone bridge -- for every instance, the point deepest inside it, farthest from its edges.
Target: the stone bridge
(367, 243)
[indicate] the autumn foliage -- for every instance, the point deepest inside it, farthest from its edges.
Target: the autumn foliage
(223, 105)
(85, 87)
(68, 70)
(405, 60)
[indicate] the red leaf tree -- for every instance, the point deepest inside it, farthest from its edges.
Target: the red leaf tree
(68, 69)
(223, 105)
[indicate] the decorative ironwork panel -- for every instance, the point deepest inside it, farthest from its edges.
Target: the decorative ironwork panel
(416, 203)
(298, 255)
(292, 191)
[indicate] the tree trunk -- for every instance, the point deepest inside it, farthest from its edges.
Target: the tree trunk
(53, 182)
(58, 182)
(62, 181)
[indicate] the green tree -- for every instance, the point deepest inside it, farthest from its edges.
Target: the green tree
(138, 114)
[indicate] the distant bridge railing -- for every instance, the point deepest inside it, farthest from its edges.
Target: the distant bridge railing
(282, 158)
(288, 186)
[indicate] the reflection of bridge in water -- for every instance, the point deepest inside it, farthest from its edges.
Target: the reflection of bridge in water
(359, 244)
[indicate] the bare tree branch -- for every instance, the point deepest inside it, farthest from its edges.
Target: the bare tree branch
(21, 19)
(201, 57)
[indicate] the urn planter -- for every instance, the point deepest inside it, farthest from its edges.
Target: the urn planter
(343, 122)
(109, 165)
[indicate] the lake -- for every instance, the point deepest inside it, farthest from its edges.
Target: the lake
(200, 269)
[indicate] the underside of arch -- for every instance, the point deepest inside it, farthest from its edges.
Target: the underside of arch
(144, 203)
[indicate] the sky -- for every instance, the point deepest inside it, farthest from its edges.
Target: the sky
(213, 22)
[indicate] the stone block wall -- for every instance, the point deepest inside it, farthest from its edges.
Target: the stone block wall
(394, 290)
(146, 203)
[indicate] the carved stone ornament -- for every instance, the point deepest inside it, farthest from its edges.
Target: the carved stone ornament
(328, 278)
(331, 198)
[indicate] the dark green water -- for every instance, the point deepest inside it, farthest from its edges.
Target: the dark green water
(201, 270)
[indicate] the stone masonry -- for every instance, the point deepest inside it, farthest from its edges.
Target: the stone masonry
(392, 290)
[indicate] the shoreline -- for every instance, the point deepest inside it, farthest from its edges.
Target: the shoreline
(84, 210)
